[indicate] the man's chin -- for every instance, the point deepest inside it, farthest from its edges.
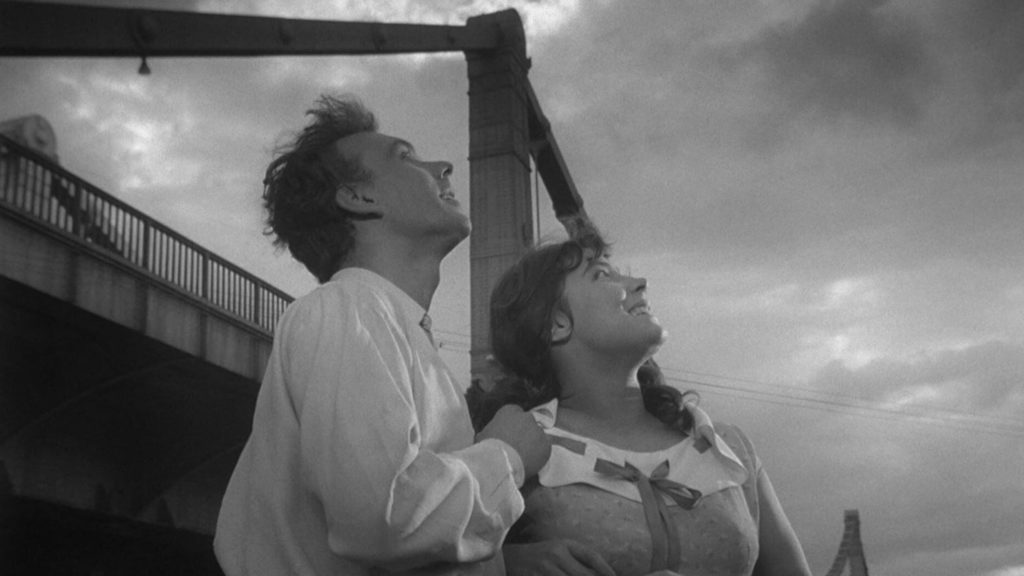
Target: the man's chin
(458, 234)
(465, 229)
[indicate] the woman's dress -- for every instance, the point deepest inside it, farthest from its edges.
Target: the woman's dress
(605, 510)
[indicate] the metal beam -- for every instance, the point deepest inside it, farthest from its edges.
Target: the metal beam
(553, 171)
(39, 29)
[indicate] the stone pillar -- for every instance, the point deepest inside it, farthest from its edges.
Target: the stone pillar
(501, 204)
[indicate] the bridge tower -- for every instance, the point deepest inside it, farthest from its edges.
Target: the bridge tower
(851, 551)
(499, 163)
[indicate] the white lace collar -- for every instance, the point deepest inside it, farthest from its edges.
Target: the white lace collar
(702, 462)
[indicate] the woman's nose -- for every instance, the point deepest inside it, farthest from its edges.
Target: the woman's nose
(639, 284)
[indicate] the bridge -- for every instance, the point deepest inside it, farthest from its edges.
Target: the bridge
(131, 362)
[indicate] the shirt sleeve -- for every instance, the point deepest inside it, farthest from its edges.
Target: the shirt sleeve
(386, 500)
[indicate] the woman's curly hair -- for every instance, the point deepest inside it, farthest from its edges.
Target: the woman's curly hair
(523, 305)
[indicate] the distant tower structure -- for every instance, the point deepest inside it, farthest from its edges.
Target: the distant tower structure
(851, 551)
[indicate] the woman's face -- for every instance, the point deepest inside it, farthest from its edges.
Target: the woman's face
(610, 312)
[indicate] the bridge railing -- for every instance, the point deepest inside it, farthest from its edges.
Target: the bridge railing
(33, 185)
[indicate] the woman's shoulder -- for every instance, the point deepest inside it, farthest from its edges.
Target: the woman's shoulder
(731, 432)
(740, 443)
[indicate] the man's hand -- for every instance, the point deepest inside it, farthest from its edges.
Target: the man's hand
(520, 431)
(554, 558)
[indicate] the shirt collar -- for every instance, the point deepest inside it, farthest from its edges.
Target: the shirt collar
(707, 471)
(402, 301)
(704, 430)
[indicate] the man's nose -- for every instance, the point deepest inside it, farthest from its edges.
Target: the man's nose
(443, 169)
(638, 284)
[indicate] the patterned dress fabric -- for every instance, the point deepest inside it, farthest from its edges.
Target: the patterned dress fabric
(717, 536)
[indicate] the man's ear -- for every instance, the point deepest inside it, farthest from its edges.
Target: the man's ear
(561, 327)
(356, 201)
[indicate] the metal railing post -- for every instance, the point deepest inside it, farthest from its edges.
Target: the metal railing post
(206, 277)
(166, 255)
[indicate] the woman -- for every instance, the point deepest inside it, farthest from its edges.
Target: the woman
(638, 474)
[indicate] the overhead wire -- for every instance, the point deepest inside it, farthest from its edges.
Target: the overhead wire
(834, 402)
(978, 424)
(805, 390)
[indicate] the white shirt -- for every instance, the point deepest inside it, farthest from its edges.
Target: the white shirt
(361, 456)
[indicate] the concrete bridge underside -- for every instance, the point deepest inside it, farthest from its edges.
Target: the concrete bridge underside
(124, 404)
(100, 418)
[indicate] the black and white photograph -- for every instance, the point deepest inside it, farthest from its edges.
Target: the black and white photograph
(557, 287)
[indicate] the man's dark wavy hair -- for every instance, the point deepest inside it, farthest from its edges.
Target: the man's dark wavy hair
(523, 304)
(301, 182)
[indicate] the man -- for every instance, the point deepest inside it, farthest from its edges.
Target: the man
(361, 458)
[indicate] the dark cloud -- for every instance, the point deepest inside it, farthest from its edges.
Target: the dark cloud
(995, 30)
(665, 115)
(845, 58)
(984, 40)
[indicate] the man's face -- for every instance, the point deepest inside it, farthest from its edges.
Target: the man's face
(413, 196)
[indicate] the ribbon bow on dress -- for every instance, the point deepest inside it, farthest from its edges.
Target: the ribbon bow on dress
(664, 533)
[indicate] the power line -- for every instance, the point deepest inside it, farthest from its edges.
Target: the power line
(803, 389)
(977, 425)
(958, 414)
(826, 401)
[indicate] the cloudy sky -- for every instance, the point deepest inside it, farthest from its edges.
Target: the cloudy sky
(826, 198)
